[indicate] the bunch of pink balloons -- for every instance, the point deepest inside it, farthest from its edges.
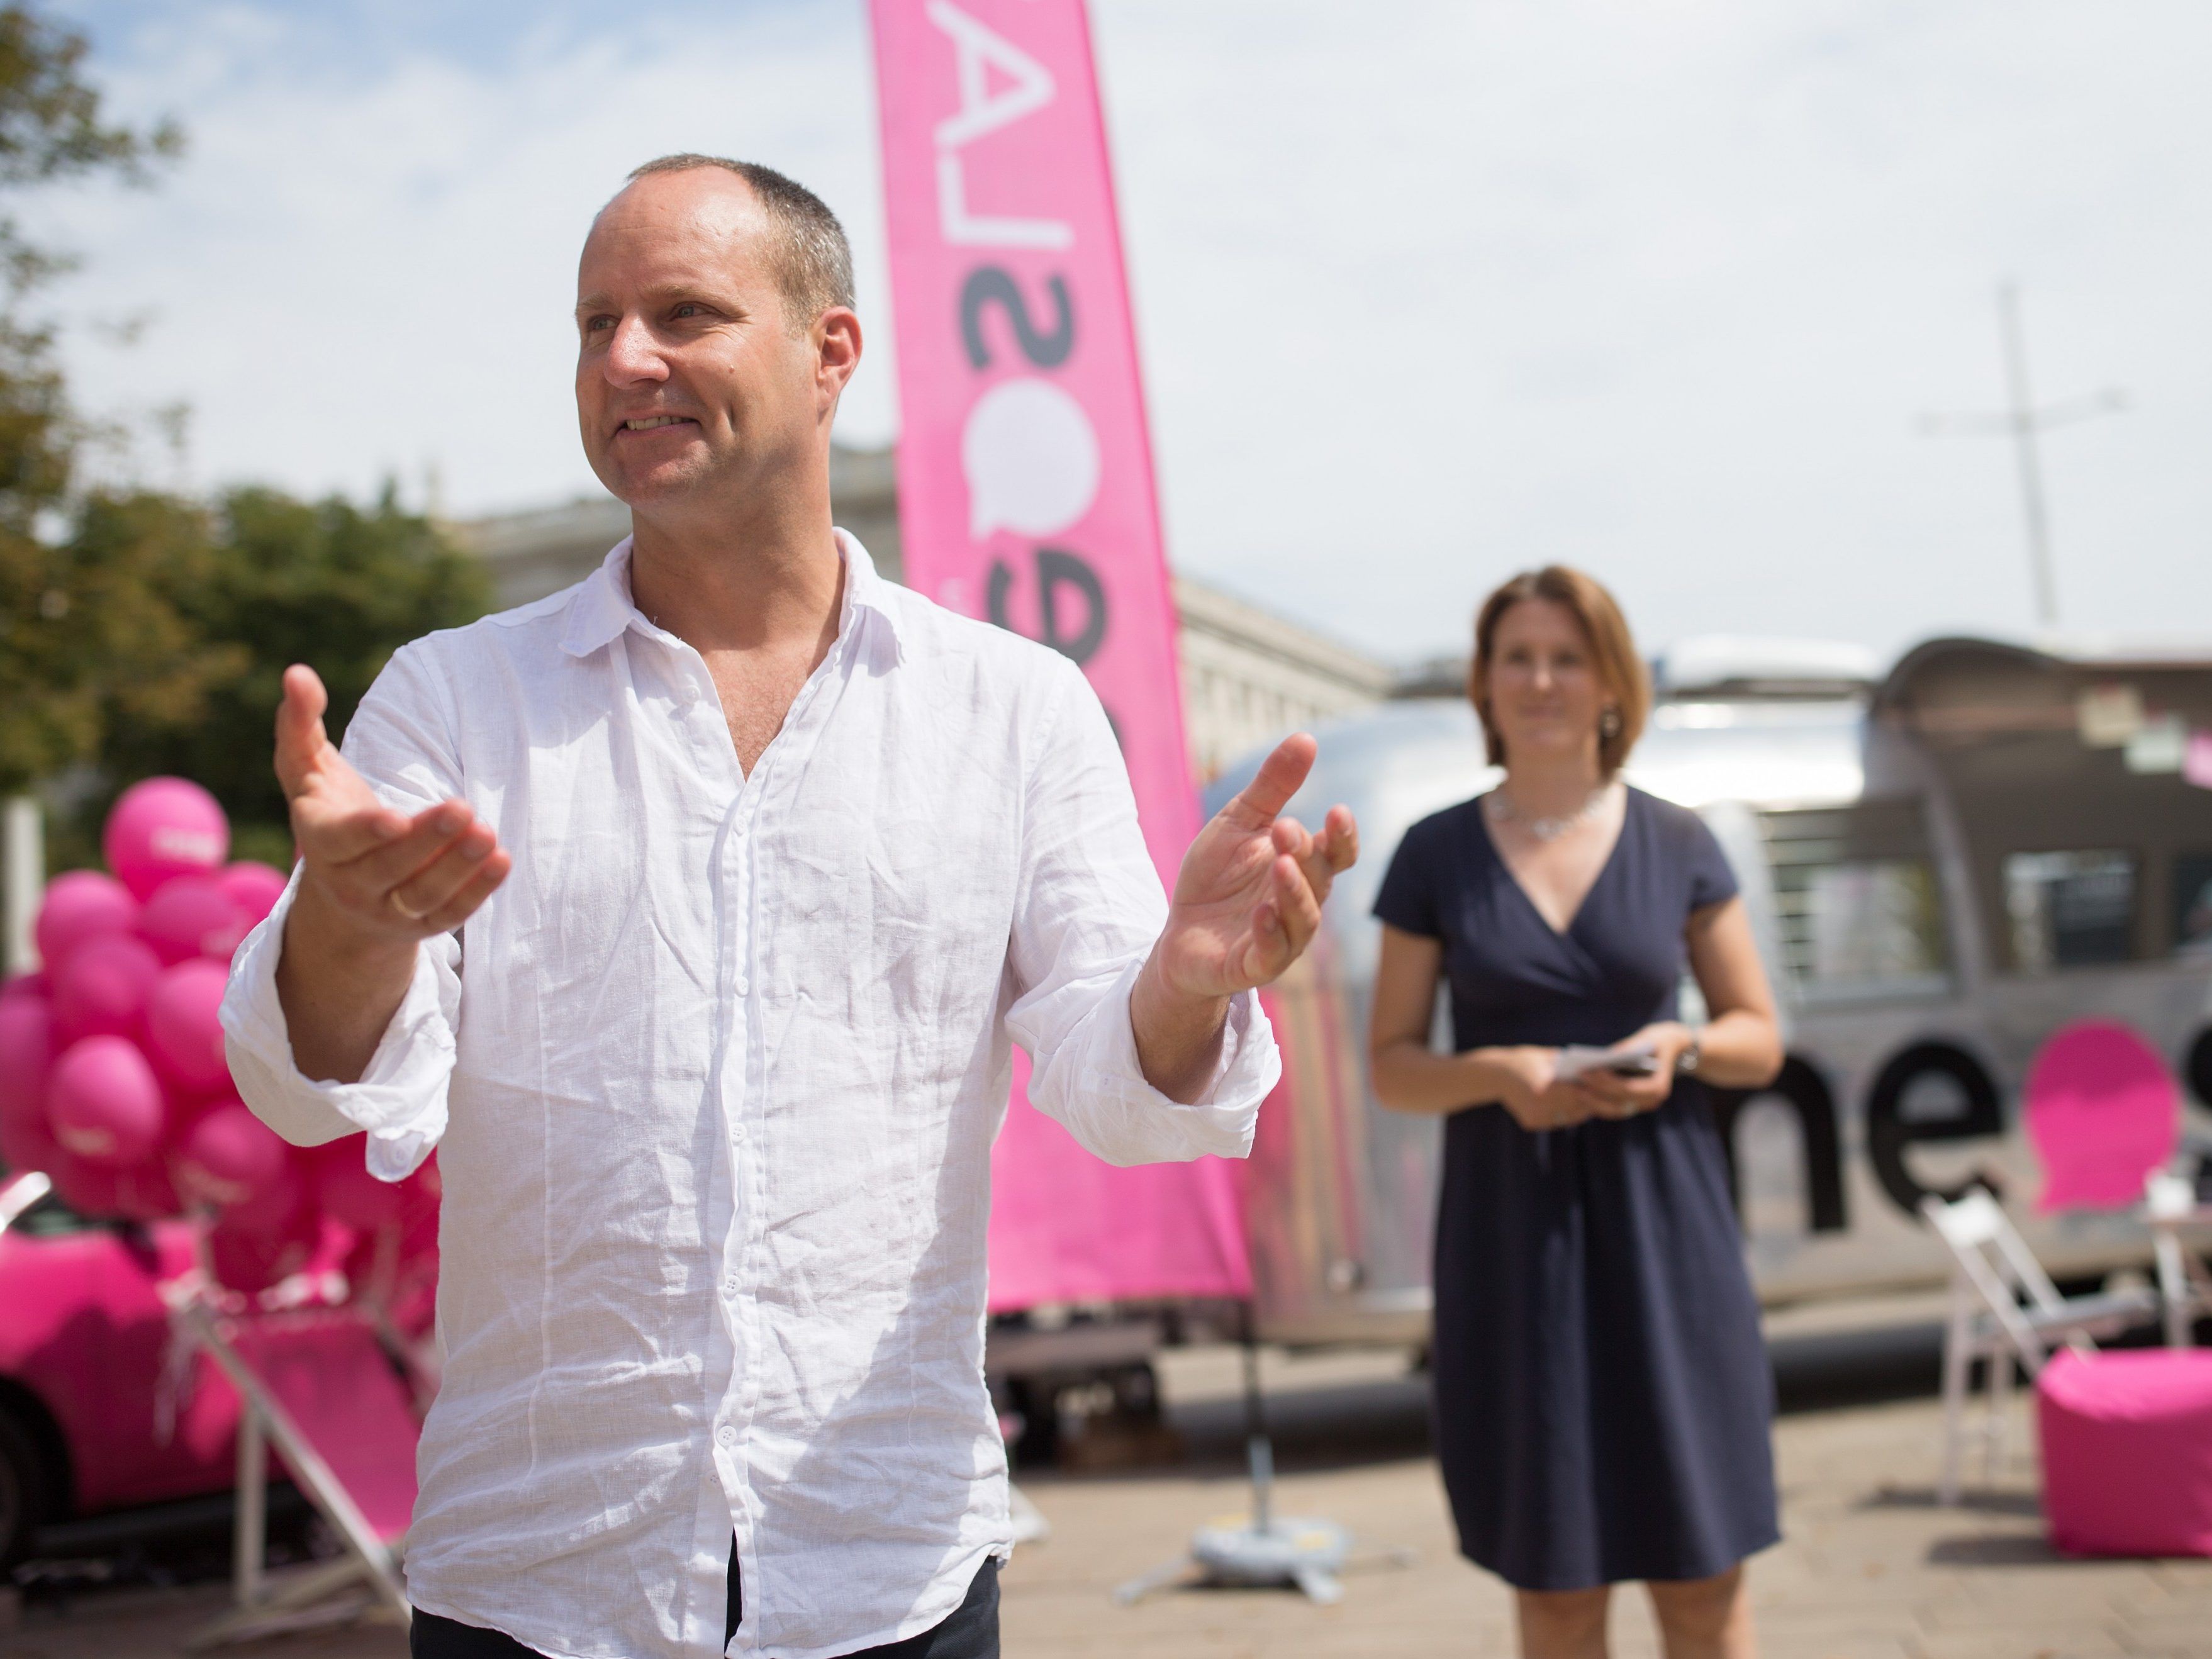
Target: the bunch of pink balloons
(112, 1079)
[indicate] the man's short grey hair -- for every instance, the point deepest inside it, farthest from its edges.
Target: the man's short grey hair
(814, 262)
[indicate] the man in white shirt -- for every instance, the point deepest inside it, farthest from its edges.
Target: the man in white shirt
(691, 912)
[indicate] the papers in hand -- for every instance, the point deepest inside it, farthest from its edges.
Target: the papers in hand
(1630, 1059)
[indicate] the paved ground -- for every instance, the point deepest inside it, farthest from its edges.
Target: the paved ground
(1871, 1567)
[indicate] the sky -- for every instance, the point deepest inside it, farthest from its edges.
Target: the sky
(1427, 291)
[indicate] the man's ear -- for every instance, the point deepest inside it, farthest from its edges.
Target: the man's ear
(836, 352)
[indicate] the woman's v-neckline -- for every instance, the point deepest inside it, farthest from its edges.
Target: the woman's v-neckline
(1611, 857)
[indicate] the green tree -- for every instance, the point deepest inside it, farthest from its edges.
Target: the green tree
(97, 637)
(141, 632)
(76, 617)
(274, 581)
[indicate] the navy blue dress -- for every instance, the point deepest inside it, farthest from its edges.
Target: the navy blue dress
(1602, 1394)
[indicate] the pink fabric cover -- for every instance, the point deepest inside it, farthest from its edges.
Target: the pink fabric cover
(2103, 1112)
(327, 1370)
(2127, 1452)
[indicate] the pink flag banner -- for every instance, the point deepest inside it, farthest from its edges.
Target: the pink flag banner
(1026, 498)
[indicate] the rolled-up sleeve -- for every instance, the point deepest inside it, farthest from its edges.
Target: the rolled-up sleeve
(399, 741)
(1089, 909)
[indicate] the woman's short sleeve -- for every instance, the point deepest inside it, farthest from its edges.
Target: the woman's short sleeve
(1409, 900)
(1712, 879)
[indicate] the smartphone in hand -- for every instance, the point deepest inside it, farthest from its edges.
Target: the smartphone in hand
(1641, 1060)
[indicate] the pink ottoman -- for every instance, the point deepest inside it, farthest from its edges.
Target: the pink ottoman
(2127, 1452)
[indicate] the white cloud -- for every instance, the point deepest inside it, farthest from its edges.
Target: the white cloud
(1426, 290)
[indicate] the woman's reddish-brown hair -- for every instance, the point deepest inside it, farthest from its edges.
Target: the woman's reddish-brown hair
(1613, 652)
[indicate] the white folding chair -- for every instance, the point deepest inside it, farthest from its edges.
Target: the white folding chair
(2185, 1288)
(2004, 1308)
(314, 1382)
(18, 1192)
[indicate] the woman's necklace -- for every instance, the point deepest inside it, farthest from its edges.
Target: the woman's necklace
(1501, 810)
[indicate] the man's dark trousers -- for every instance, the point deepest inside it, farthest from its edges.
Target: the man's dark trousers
(969, 1631)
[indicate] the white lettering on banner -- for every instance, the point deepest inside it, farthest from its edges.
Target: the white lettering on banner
(965, 229)
(1030, 457)
(980, 52)
(977, 51)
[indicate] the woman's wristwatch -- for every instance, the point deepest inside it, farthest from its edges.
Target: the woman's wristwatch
(1686, 1064)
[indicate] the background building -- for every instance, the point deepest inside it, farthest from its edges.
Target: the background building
(1247, 676)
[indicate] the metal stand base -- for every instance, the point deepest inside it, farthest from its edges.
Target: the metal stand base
(1265, 1551)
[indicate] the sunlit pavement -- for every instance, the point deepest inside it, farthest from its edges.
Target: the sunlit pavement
(1870, 1568)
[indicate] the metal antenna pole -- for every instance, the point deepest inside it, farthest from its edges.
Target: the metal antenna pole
(2025, 423)
(2024, 427)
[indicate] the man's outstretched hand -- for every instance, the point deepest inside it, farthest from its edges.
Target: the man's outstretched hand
(375, 883)
(388, 875)
(1247, 901)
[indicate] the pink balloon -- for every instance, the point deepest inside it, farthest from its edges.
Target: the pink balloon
(274, 1204)
(80, 905)
(139, 1193)
(253, 888)
(26, 1143)
(104, 1103)
(231, 1158)
(102, 989)
(187, 1109)
(251, 1258)
(18, 986)
(93, 1190)
(399, 1266)
(162, 828)
(348, 1193)
(143, 1192)
(26, 1057)
(183, 1034)
(192, 916)
(426, 1187)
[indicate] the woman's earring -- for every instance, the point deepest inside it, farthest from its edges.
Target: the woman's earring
(1609, 724)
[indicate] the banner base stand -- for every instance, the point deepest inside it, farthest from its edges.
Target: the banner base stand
(1261, 1551)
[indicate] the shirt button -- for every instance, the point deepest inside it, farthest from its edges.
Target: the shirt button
(738, 1135)
(732, 1285)
(726, 1435)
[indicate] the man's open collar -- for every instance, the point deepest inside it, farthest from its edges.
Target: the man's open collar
(603, 607)
(864, 590)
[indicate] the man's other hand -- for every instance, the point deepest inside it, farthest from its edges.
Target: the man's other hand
(1249, 893)
(1247, 901)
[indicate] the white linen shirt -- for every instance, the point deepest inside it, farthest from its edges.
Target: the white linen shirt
(713, 1077)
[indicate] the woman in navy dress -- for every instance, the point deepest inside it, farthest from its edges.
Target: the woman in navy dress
(1603, 1399)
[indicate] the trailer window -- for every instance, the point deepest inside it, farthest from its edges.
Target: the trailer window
(2192, 904)
(1857, 906)
(2070, 909)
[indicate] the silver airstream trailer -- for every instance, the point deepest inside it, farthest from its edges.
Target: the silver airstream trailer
(1944, 864)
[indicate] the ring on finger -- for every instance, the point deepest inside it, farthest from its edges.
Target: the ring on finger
(404, 908)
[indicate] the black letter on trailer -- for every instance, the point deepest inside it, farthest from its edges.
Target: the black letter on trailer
(1889, 1132)
(1807, 1094)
